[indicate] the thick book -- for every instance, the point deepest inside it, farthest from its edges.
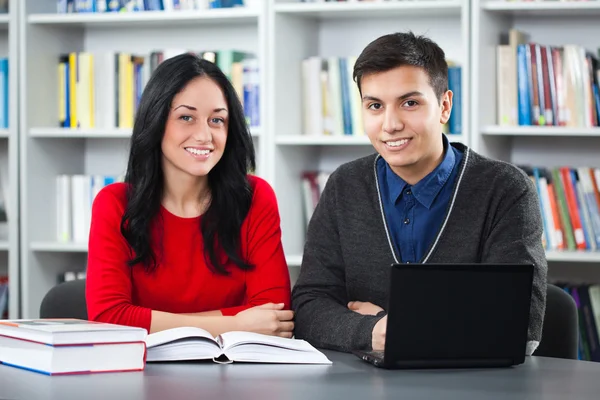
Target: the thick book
(71, 346)
(189, 343)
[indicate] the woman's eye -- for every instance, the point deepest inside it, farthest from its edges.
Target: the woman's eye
(186, 118)
(218, 120)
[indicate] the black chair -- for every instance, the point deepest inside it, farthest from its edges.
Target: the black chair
(560, 333)
(65, 300)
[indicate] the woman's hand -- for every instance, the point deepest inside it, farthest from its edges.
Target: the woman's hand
(268, 319)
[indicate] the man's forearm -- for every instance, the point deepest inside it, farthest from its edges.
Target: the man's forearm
(326, 324)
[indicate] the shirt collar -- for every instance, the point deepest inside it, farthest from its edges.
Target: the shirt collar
(427, 189)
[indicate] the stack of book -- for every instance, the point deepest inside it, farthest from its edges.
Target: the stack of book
(544, 85)
(101, 6)
(71, 346)
(104, 89)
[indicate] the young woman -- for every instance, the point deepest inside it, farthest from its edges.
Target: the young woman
(189, 239)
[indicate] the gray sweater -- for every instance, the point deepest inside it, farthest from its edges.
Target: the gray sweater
(493, 217)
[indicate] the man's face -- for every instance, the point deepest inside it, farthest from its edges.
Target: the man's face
(403, 119)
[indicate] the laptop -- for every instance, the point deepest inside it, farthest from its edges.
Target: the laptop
(456, 316)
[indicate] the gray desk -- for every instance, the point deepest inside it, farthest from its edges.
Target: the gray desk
(349, 378)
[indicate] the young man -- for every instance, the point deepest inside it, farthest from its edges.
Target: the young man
(421, 199)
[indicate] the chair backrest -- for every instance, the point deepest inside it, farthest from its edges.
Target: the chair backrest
(65, 300)
(560, 333)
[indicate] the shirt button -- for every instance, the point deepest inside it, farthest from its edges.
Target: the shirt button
(407, 221)
(408, 192)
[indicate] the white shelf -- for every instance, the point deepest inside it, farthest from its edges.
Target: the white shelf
(4, 133)
(95, 133)
(236, 15)
(4, 18)
(539, 131)
(60, 247)
(371, 10)
(294, 260)
(544, 8)
(322, 140)
(574, 256)
(4, 245)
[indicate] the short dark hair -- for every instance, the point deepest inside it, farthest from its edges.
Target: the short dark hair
(398, 49)
(231, 192)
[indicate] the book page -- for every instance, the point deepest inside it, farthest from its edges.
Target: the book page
(254, 347)
(171, 335)
(234, 339)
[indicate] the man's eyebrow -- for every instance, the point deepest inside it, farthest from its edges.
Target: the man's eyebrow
(402, 97)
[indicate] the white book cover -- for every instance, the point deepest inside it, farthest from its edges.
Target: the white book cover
(63, 208)
(71, 346)
(81, 190)
(105, 86)
(70, 331)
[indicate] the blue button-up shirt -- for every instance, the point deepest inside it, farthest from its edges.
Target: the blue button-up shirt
(414, 214)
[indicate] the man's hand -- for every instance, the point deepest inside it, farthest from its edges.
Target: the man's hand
(364, 308)
(378, 335)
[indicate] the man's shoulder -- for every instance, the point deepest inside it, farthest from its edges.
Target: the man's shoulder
(358, 168)
(496, 172)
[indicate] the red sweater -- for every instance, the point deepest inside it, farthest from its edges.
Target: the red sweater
(182, 283)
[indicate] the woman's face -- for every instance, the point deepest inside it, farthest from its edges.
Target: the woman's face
(196, 129)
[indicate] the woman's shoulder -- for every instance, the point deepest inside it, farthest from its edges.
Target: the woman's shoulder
(111, 196)
(263, 193)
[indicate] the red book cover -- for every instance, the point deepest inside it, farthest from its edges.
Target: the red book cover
(573, 209)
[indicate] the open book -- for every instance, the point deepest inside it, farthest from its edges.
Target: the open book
(190, 343)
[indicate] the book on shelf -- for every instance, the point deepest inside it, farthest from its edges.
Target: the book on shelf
(569, 200)
(189, 343)
(545, 85)
(104, 89)
(4, 98)
(3, 297)
(75, 195)
(103, 6)
(68, 276)
(331, 102)
(71, 346)
(313, 183)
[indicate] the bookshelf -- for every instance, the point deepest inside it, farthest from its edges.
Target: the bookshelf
(338, 29)
(9, 151)
(48, 150)
(546, 23)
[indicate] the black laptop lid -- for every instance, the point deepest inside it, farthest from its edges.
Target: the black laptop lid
(453, 312)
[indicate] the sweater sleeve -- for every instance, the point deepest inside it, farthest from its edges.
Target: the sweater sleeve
(516, 237)
(319, 297)
(109, 278)
(269, 280)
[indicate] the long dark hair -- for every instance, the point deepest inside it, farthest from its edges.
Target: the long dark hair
(231, 193)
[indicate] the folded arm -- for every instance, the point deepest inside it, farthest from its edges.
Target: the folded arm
(319, 297)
